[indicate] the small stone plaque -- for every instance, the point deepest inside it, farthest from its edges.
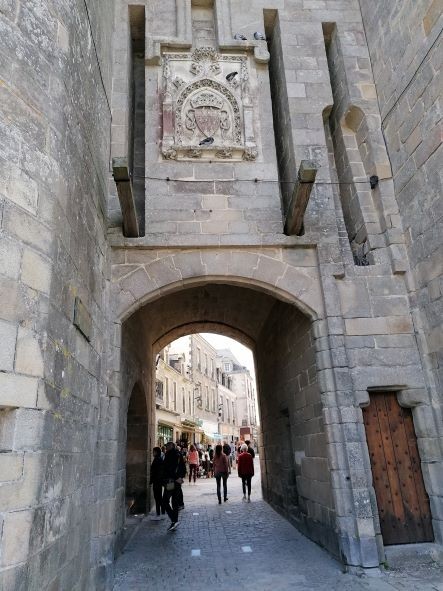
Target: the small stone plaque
(82, 319)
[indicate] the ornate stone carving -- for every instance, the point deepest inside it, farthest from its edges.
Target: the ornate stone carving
(170, 154)
(194, 153)
(224, 154)
(202, 99)
(250, 154)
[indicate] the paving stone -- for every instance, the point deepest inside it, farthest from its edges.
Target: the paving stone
(248, 547)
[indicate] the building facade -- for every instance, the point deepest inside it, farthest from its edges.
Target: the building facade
(240, 382)
(157, 179)
(215, 406)
(175, 401)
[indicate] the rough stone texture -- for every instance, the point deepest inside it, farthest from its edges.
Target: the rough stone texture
(213, 257)
(406, 48)
(295, 469)
(55, 82)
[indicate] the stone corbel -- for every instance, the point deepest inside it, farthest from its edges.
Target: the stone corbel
(183, 40)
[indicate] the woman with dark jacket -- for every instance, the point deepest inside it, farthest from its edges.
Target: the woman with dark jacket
(245, 469)
(221, 471)
(156, 480)
(174, 470)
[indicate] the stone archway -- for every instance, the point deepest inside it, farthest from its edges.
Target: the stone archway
(279, 326)
(272, 298)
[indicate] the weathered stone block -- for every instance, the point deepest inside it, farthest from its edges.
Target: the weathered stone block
(36, 271)
(29, 357)
(17, 390)
(15, 537)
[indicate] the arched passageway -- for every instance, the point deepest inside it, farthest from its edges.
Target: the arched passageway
(293, 452)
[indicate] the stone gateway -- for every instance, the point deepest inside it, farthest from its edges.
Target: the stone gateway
(285, 190)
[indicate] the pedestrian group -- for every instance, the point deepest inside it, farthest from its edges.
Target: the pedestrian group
(168, 471)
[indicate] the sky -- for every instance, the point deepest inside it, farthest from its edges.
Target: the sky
(242, 353)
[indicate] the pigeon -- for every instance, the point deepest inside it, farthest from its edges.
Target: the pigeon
(207, 141)
(259, 36)
(240, 37)
(230, 77)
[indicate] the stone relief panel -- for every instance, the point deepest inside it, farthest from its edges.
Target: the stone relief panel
(208, 107)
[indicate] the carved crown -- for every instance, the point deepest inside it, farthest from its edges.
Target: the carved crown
(207, 99)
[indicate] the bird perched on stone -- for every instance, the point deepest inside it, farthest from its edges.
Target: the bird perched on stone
(240, 37)
(259, 36)
(230, 77)
(207, 141)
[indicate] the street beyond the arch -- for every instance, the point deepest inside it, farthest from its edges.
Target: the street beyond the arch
(240, 546)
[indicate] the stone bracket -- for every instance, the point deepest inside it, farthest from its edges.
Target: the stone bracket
(183, 40)
(300, 197)
(126, 197)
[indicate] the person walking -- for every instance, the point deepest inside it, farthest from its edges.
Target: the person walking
(156, 479)
(221, 471)
(227, 452)
(250, 449)
(193, 460)
(174, 470)
(245, 469)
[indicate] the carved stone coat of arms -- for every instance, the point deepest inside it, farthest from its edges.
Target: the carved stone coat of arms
(208, 111)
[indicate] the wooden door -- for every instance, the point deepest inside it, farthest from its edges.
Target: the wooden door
(403, 503)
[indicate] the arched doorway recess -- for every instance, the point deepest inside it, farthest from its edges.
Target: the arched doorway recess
(136, 490)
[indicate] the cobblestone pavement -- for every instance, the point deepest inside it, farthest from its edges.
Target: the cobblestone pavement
(240, 546)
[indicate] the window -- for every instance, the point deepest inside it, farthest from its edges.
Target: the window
(174, 395)
(207, 398)
(183, 401)
(213, 399)
(221, 410)
(233, 412)
(159, 391)
(206, 364)
(212, 369)
(228, 410)
(199, 360)
(199, 397)
(227, 366)
(167, 392)
(191, 412)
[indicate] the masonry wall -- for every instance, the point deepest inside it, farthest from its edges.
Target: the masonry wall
(54, 119)
(295, 467)
(405, 46)
(64, 389)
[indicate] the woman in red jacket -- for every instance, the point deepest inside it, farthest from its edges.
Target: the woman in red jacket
(245, 469)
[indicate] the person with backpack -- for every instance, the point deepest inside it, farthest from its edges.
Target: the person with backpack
(221, 471)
